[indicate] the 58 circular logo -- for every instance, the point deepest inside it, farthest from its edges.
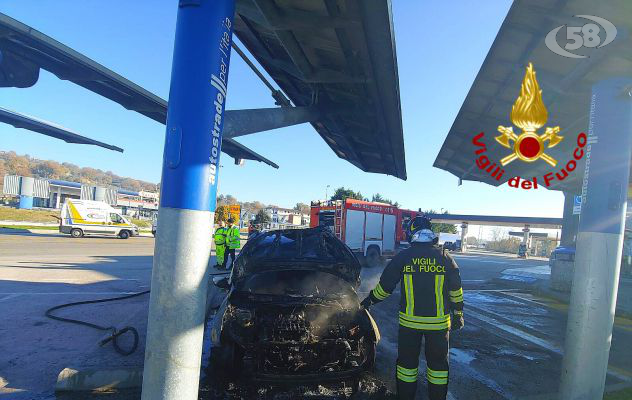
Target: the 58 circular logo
(598, 33)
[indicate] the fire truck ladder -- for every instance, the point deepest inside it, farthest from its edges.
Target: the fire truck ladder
(338, 219)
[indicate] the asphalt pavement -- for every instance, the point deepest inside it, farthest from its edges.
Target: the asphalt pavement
(510, 348)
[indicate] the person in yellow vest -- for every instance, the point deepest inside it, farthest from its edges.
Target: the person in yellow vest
(232, 243)
(220, 244)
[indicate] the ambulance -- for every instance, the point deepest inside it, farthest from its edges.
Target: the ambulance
(87, 217)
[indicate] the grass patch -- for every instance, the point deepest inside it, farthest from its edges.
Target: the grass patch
(141, 223)
(14, 214)
(27, 227)
(625, 394)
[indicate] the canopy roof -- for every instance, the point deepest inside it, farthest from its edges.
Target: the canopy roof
(565, 82)
(25, 51)
(49, 129)
(336, 56)
(340, 57)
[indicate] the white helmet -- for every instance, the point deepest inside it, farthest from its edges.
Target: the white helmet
(423, 236)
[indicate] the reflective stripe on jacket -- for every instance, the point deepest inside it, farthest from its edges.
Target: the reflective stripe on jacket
(220, 236)
(232, 237)
(430, 287)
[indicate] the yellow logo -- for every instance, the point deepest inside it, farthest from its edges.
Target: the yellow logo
(529, 113)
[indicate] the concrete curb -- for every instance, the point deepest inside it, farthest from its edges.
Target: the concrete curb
(94, 379)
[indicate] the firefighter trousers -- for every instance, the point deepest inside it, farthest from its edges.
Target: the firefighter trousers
(436, 351)
(220, 249)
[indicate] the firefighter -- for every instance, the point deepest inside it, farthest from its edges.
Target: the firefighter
(431, 305)
(232, 242)
(220, 245)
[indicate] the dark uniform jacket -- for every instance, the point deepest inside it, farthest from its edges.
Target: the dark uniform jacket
(430, 290)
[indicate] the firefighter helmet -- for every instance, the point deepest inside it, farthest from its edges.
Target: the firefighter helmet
(418, 223)
(423, 236)
(420, 230)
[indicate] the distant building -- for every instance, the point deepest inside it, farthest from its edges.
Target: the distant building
(52, 193)
(286, 217)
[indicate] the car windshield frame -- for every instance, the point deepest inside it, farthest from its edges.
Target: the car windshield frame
(318, 249)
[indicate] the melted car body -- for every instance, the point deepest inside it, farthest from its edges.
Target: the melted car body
(292, 311)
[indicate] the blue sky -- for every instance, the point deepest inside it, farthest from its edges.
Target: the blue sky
(440, 48)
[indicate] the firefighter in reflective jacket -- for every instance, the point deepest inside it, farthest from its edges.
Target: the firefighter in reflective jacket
(431, 305)
(220, 245)
(232, 242)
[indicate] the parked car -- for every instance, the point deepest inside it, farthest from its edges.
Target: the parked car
(292, 311)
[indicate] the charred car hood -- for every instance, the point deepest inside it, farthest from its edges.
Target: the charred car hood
(296, 286)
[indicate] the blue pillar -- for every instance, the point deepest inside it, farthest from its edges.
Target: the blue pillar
(26, 192)
(190, 169)
(599, 241)
(26, 202)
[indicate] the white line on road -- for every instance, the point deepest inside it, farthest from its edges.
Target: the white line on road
(10, 296)
(532, 339)
(514, 331)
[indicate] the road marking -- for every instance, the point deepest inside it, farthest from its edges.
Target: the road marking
(539, 342)
(619, 322)
(10, 296)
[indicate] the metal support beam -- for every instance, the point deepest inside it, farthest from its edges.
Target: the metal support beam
(599, 242)
(197, 99)
(525, 236)
(244, 122)
(463, 237)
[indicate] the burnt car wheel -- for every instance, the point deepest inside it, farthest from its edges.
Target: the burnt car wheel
(225, 361)
(370, 357)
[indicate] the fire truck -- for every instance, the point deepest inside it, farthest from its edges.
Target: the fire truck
(371, 230)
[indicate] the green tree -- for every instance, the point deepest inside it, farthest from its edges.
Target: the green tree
(378, 198)
(342, 194)
(262, 217)
(441, 227)
(302, 208)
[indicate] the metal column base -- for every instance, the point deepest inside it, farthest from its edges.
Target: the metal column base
(177, 304)
(590, 320)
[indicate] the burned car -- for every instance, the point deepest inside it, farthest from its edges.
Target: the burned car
(292, 311)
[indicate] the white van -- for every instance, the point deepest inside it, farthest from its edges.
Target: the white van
(87, 217)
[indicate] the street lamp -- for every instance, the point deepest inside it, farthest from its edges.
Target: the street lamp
(327, 192)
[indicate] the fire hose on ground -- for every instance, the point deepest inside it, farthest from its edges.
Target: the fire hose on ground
(115, 333)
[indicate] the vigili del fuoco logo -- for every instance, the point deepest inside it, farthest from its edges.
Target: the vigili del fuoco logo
(529, 114)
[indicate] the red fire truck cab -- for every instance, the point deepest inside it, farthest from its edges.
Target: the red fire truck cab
(371, 230)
